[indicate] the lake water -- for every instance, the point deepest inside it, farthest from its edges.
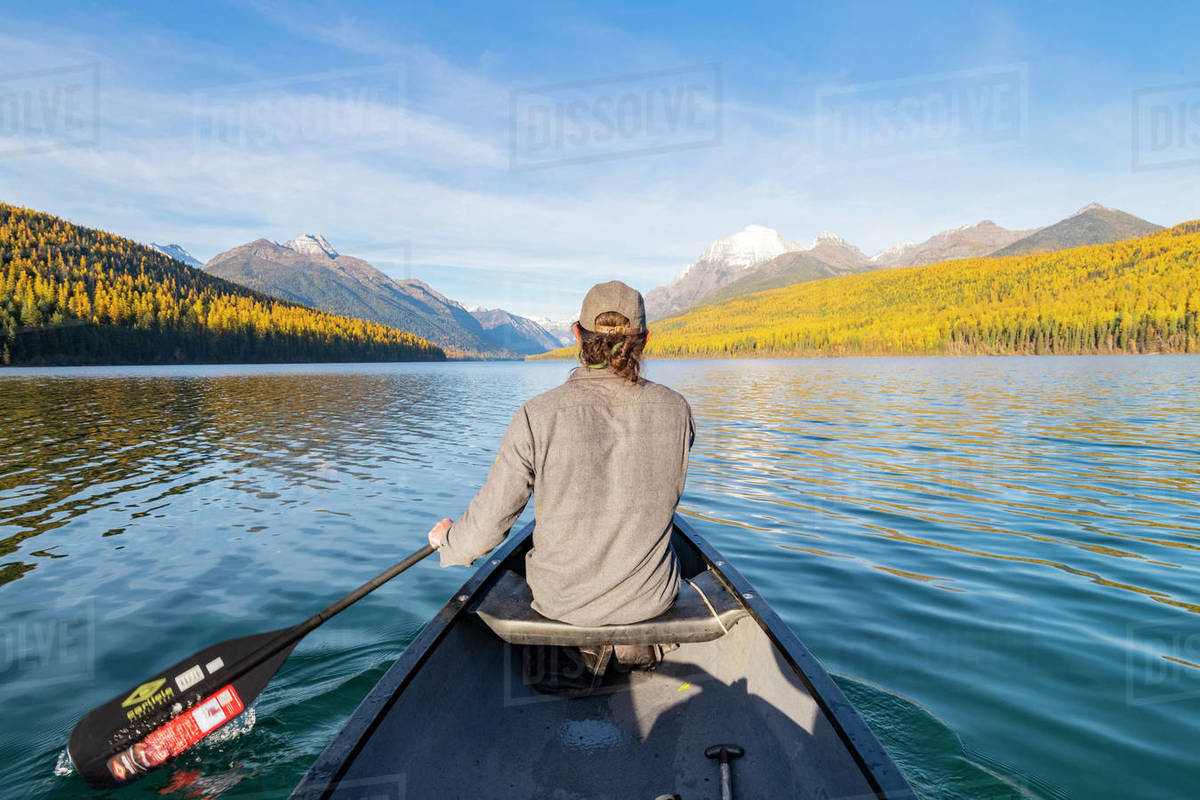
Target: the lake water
(998, 558)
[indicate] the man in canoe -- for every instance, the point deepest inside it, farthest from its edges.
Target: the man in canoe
(605, 457)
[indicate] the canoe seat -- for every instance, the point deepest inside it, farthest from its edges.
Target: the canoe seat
(703, 611)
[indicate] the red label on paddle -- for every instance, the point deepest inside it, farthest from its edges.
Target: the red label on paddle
(177, 735)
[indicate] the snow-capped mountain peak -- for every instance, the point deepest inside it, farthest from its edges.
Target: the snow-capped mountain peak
(178, 253)
(312, 245)
(561, 329)
(894, 250)
(749, 247)
(517, 333)
(827, 237)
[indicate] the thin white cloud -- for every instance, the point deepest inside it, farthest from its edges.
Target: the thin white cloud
(444, 189)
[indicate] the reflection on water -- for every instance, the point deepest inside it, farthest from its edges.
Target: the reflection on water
(1020, 533)
(128, 448)
(998, 557)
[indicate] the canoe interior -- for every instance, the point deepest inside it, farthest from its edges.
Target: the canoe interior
(462, 723)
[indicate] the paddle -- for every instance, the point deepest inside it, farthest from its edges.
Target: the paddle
(138, 730)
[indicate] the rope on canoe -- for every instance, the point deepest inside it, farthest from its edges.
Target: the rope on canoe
(703, 597)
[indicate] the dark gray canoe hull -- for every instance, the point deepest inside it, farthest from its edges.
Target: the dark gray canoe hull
(453, 718)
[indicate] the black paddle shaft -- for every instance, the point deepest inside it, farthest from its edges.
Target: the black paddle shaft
(136, 731)
(315, 620)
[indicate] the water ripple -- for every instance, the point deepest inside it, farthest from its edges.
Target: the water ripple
(998, 557)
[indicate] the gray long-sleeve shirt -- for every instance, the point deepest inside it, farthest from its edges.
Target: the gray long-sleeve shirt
(606, 461)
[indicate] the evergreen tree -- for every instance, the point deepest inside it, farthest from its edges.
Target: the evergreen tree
(74, 295)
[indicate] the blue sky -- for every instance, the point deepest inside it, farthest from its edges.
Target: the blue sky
(421, 136)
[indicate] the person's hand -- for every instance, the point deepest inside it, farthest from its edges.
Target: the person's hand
(437, 534)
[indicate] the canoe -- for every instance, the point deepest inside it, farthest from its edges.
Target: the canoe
(456, 717)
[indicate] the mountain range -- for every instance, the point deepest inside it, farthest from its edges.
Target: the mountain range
(515, 333)
(560, 329)
(310, 271)
(969, 241)
(759, 258)
(1092, 224)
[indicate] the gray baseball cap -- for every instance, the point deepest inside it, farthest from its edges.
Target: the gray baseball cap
(613, 296)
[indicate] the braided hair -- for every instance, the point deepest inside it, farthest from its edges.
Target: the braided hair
(619, 352)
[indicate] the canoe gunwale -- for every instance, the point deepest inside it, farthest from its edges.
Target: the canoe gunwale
(328, 770)
(877, 767)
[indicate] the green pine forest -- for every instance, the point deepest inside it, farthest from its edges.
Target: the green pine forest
(75, 295)
(1135, 296)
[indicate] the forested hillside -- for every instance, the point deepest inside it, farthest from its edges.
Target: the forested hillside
(1135, 296)
(74, 295)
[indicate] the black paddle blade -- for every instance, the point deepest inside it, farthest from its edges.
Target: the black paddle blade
(138, 730)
